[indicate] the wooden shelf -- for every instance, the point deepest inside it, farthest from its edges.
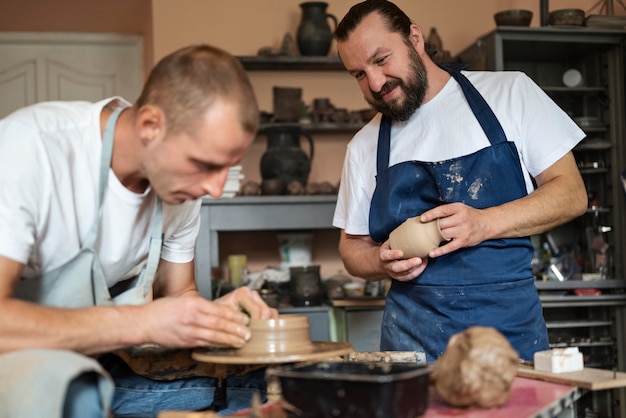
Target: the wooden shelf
(286, 63)
(326, 127)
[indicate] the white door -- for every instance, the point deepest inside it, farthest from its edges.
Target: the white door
(37, 67)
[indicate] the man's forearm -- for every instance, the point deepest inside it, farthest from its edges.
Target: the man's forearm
(554, 203)
(361, 257)
(88, 330)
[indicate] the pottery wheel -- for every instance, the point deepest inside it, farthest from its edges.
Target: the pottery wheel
(319, 350)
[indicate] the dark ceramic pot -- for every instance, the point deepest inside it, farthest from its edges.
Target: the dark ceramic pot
(314, 34)
(284, 158)
(305, 286)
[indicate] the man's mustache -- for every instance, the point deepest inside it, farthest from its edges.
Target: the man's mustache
(386, 88)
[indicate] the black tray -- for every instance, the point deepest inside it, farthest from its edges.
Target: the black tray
(355, 390)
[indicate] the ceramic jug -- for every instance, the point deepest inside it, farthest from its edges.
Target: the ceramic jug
(284, 158)
(314, 34)
(305, 286)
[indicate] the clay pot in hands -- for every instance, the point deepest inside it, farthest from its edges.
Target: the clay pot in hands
(416, 239)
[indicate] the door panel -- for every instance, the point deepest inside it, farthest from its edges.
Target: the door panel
(37, 67)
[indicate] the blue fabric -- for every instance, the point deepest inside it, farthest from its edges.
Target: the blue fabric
(139, 397)
(83, 398)
(443, 300)
(434, 313)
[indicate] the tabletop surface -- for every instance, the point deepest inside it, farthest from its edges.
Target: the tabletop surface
(529, 398)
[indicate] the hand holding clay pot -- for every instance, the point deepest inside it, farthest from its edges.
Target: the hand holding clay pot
(416, 239)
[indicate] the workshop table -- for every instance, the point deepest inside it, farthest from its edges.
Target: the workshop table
(529, 398)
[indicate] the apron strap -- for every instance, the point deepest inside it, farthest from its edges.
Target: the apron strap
(487, 119)
(156, 241)
(105, 164)
(384, 144)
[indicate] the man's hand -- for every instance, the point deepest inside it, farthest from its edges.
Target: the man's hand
(192, 321)
(249, 301)
(462, 225)
(398, 268)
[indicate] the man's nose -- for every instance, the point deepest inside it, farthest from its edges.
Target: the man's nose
(213, 183)
(376, 80)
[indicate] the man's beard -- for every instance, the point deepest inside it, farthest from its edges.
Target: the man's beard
(414, 91)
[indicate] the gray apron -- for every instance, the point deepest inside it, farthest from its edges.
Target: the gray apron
(33, 383)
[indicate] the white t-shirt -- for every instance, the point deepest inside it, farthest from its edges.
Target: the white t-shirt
(445, 128)
(49, 172)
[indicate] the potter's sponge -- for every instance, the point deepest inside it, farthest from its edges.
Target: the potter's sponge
(559, 360)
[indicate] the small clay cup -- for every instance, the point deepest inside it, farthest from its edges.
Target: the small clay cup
(416, 239)
(289, 334)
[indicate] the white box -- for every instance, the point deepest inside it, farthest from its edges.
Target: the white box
(559, 360)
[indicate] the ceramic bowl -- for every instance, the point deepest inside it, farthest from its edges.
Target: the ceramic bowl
(513, 17)
(354, 289)
(567, 17)
(272, 187)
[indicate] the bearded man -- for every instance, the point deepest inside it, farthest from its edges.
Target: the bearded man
(466, 149)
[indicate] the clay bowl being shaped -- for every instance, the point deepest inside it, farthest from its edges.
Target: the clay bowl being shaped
(286, 339)
(567, 17)
(513, 17)
(287, 334)
(416, 239)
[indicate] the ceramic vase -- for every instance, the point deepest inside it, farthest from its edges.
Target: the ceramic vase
(314, 34)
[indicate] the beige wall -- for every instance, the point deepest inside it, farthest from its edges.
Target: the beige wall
(244, 26)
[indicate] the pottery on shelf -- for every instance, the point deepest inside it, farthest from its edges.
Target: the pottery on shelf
(314, 34)
(305, 285)
(287, 104)
(273, 187)
(284, 158)
(416, 239)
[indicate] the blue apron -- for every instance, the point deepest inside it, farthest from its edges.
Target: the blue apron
(489, 284)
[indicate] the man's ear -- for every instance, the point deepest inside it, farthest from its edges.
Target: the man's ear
(417, 39)
(150, 123)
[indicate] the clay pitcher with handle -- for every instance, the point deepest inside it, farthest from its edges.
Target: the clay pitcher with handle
(314, 34)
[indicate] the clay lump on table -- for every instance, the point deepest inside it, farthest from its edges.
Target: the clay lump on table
(477, 369)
